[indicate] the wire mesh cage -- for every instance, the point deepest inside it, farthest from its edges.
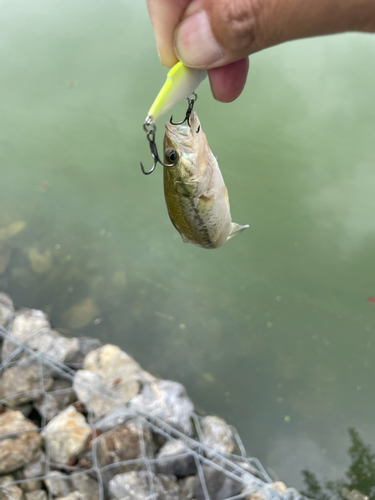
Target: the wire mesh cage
(68, 432)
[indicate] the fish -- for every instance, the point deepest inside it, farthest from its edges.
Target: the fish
(194, 189)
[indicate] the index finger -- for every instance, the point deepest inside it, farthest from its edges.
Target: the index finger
(165, 16)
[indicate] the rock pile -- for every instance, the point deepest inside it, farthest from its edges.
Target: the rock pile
(81, 421)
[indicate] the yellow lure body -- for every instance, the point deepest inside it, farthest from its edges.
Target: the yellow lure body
(180, 84)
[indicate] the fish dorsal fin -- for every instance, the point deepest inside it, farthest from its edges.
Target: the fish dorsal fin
(236, 229)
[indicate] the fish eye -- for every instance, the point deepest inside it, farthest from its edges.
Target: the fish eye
(198, 129)
(172, 155)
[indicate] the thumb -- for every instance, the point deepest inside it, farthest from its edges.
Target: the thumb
(217, 32)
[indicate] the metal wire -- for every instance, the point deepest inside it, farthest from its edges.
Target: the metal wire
(253, 479)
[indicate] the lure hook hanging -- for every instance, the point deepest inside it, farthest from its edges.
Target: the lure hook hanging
(150, 129)
(191, 101)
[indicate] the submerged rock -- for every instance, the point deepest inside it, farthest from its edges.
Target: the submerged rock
(40, 262)
(81, 314)
(135, 486)
(5, 254)
(66, 434)
(217, 434)
(167, 400)
(8, 232)
(19, 449)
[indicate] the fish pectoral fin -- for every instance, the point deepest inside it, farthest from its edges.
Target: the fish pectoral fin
(236, 229)
(185, 240)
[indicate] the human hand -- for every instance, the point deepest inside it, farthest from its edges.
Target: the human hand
(219, 35)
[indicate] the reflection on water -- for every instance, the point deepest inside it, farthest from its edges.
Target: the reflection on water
(273, 331)
(359, 477)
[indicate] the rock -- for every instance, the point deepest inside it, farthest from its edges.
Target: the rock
(86, 345)
(167, 400)
(66, 434)
(11, 492)
(58, 484)
(26, 323)
(24, 379)
(86, 484)
(217, 434)
(186, 486)
(60, 396)
(180, 467)
(81, 314)
(280, 487)
(6, 309)
(40, 262)
(32, 327)
(219, 486)
(5, 254)
(110, 371)
(121, 444)
(353, 495)
(18, 450)
(8, 232)
(36, 468)
(37, 495)
(269, 492)
(292, 494)
(97, 397)
(27, 486)
(75, 495)
(135, 486)
(116, 417)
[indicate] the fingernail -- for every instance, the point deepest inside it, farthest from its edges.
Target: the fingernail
(195, 45)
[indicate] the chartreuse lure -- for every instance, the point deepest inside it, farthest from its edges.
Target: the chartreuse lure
(180, 84)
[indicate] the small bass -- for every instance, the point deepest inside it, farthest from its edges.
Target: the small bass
(194, 189)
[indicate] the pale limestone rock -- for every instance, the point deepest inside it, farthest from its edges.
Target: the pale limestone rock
(24, 379)
(167, 400)
(67, 434)
(9, 491)
(110, 378)
(18, 450)
(6, 308)
(217, 434)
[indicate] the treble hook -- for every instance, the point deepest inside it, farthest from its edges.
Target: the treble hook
(191, 101)
(150, 129)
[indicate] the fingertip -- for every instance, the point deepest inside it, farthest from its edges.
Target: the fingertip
(227, 82)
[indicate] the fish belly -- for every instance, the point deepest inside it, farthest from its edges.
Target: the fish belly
(199, 220)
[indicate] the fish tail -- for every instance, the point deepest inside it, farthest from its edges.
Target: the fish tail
(236, 229)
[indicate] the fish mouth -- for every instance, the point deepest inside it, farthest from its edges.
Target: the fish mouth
(177, 130)
(178, 136)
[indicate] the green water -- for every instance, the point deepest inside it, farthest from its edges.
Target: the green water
(273, 331)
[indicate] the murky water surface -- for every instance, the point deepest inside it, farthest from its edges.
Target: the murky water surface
(274, 331)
